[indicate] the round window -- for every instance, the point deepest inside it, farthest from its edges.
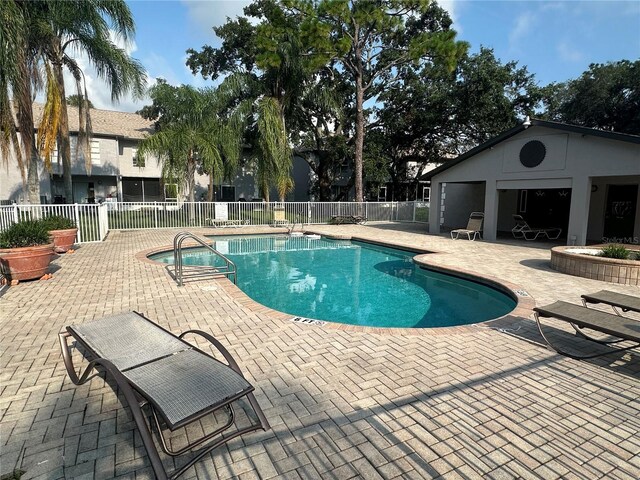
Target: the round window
(532, 153)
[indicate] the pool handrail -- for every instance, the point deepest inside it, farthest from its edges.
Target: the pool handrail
(228, 270)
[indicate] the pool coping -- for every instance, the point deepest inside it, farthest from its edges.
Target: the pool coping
(523, 309)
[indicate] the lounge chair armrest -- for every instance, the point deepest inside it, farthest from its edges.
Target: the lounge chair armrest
(216, 343)
(68, 362)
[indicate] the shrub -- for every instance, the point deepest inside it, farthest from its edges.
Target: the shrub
(58, 222)
(615, 251)
(28, 233)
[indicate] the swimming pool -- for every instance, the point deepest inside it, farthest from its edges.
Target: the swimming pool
(350, 282)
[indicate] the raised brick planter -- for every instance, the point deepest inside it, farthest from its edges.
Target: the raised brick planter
(598, 268)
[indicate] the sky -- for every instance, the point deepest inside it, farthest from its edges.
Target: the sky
(556, 40)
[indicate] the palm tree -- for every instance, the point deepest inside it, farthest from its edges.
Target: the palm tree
(272, 98)
(19, 58)
(190, 134)
(75, 26)
(37, 36)
(76, 100)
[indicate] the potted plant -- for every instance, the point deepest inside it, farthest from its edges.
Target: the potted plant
(63, 230)
(25, 250)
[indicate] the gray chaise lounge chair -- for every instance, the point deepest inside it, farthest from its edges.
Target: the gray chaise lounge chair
(178, 382)
(581, 317)
(523, 230)
(626, 303)
(474, 227)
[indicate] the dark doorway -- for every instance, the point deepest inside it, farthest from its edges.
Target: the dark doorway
(546, 208)
(132, 190)
(620, 213)
(228, 193)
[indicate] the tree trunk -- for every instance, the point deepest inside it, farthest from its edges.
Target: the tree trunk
(212, 188)
(33, 179)
(343, 196)
(324, 190)
(26, 126)
(191, 181)
(64, 143)
(359, 138)
(324, 182)
(264, 187)
(191, 177)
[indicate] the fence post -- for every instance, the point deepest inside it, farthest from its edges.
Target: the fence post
(76, 215)
(16, 219)
(155, 213)
(200, 214)
(366, 210)
(105, 214)
(414, 212)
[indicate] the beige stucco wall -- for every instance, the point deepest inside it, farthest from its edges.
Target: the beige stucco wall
(115, 159)
(151, 169)
(571, 161)
(468, 198)
(11, 187)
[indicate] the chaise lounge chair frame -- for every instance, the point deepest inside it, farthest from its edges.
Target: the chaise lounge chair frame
(348, 219)
(474, 227)
(178, 382)
(624, 329)
(523, 230)
(626, 303)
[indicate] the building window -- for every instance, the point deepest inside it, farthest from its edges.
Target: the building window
(54, 152)
(426, 194)
(171, 192)
(137, 160)
(95, 152)
(227, 193)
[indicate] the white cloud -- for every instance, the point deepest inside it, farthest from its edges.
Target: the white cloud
(522, 27)
(555, 6)
(453, 7)
(569, 53)
(206, 14)
(97, 89)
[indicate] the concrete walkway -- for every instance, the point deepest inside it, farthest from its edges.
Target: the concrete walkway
(474, 403)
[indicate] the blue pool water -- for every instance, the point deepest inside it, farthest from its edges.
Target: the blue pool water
(350, 282)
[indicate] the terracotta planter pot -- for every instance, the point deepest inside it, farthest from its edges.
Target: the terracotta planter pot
(25, 263)
(63, 240)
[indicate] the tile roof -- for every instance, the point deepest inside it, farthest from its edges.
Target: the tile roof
(106, 122)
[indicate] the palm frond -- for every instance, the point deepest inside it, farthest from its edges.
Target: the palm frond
(49, 123)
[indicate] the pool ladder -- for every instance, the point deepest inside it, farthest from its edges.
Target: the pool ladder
(228, 269)
(292, 227)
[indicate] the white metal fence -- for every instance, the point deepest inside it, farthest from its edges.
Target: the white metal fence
(94, 221)
(90, 219)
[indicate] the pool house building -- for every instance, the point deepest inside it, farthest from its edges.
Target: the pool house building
(582, 180)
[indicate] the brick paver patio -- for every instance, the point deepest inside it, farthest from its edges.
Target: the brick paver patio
(481, 402)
